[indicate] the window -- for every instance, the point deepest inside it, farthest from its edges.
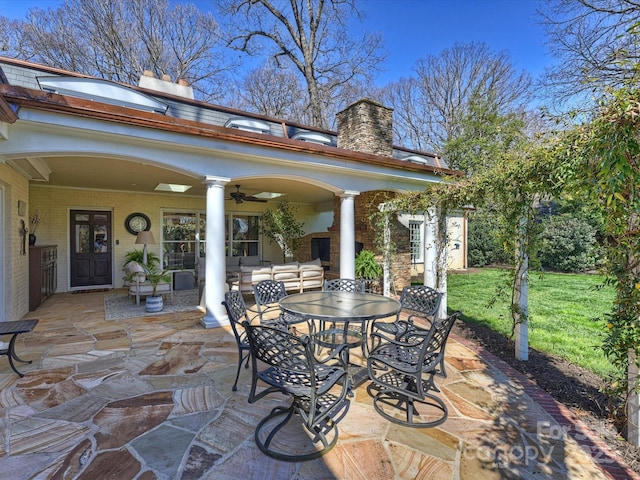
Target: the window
(182, 233)
(415, 237)
(183, 237)
(245, 235)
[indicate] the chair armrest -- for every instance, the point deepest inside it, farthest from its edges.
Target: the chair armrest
(423, 337)
(341, 353)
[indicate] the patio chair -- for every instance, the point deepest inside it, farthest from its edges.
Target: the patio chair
(267, 294)
(418, 301)
(346, 285)
(317, 387)
(403, 370)
(237, 312)
(343, 285)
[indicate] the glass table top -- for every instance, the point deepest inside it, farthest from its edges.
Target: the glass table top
(340, 305)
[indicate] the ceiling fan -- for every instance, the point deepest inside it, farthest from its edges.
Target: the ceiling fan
(240, 197)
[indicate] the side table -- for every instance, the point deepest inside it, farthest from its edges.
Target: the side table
(15, 329)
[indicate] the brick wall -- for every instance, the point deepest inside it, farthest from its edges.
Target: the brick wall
(365, 233)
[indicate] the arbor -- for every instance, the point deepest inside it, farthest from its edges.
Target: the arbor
(599, 162)
(311, 36)
(596, 45)
(119, 39)
(429, 108)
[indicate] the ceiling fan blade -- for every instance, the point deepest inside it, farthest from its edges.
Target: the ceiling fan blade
(254, 199)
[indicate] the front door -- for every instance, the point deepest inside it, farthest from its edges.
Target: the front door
(90, 248)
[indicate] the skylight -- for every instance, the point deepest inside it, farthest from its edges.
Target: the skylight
(101, 91)
(248, 125)
(172, 187)
(313, 137)
(268, 195)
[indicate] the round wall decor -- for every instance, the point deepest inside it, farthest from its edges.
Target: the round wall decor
(137, 222)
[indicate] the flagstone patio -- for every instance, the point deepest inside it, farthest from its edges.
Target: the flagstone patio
(150, 398)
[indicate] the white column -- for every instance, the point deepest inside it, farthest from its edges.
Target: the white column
(522, 300)
(348, 235)
(215, 268)
(430, 253)
(386, 265)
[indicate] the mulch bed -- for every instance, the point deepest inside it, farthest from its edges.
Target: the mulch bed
(576, 388)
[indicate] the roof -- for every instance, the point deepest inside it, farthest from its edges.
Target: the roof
(25, 84)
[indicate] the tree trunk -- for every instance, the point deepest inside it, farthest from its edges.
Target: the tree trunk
(633, 403)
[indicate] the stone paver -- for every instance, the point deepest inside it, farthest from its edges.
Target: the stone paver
(150, 398)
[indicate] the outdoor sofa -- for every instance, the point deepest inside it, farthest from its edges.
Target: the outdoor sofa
(297, 276)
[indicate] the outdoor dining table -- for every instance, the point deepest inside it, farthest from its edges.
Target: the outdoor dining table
(345, 308)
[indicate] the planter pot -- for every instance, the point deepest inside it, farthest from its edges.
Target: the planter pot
(154, 304)
(32, 239)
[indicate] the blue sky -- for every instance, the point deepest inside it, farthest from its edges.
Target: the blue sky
(413, 29)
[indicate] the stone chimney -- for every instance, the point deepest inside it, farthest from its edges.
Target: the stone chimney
(366, 126)
(165, 85)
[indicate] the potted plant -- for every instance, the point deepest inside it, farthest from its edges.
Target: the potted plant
(138, 256)
(281, 227)
(154, 302)
(367, 268)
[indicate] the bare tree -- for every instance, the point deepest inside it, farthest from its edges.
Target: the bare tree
(429, 107)
(9, 31)
(597, 44)
(310, 35)
(274, 92)
(119, 39)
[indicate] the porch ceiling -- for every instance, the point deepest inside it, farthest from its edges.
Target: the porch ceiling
(123, 175)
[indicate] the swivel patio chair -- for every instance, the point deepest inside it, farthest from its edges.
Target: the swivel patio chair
(267, 294)
(418, 301)
(403, 370)
(237, 312)
(346, 285)
(343, 285)
(317, 387)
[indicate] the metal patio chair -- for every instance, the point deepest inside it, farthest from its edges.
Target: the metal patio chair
(237, 312)
(267, 294)
(403, 370)
(317, 387)
(346, 285)
(343, 285)
(418, 301)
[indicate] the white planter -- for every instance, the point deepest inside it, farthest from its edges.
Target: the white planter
(154, 304)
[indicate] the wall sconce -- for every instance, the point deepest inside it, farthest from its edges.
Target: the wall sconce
(456, 246)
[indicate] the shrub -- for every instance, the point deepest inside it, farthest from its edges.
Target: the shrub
(483, 246)
(569, 244)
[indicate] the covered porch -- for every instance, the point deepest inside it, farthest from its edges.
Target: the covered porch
(151, 397)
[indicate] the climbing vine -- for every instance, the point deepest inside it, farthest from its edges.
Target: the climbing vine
(600, 162)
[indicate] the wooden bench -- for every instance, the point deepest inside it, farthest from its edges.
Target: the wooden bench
(15, 329)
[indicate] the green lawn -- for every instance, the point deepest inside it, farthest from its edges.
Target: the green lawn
(562, 309)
